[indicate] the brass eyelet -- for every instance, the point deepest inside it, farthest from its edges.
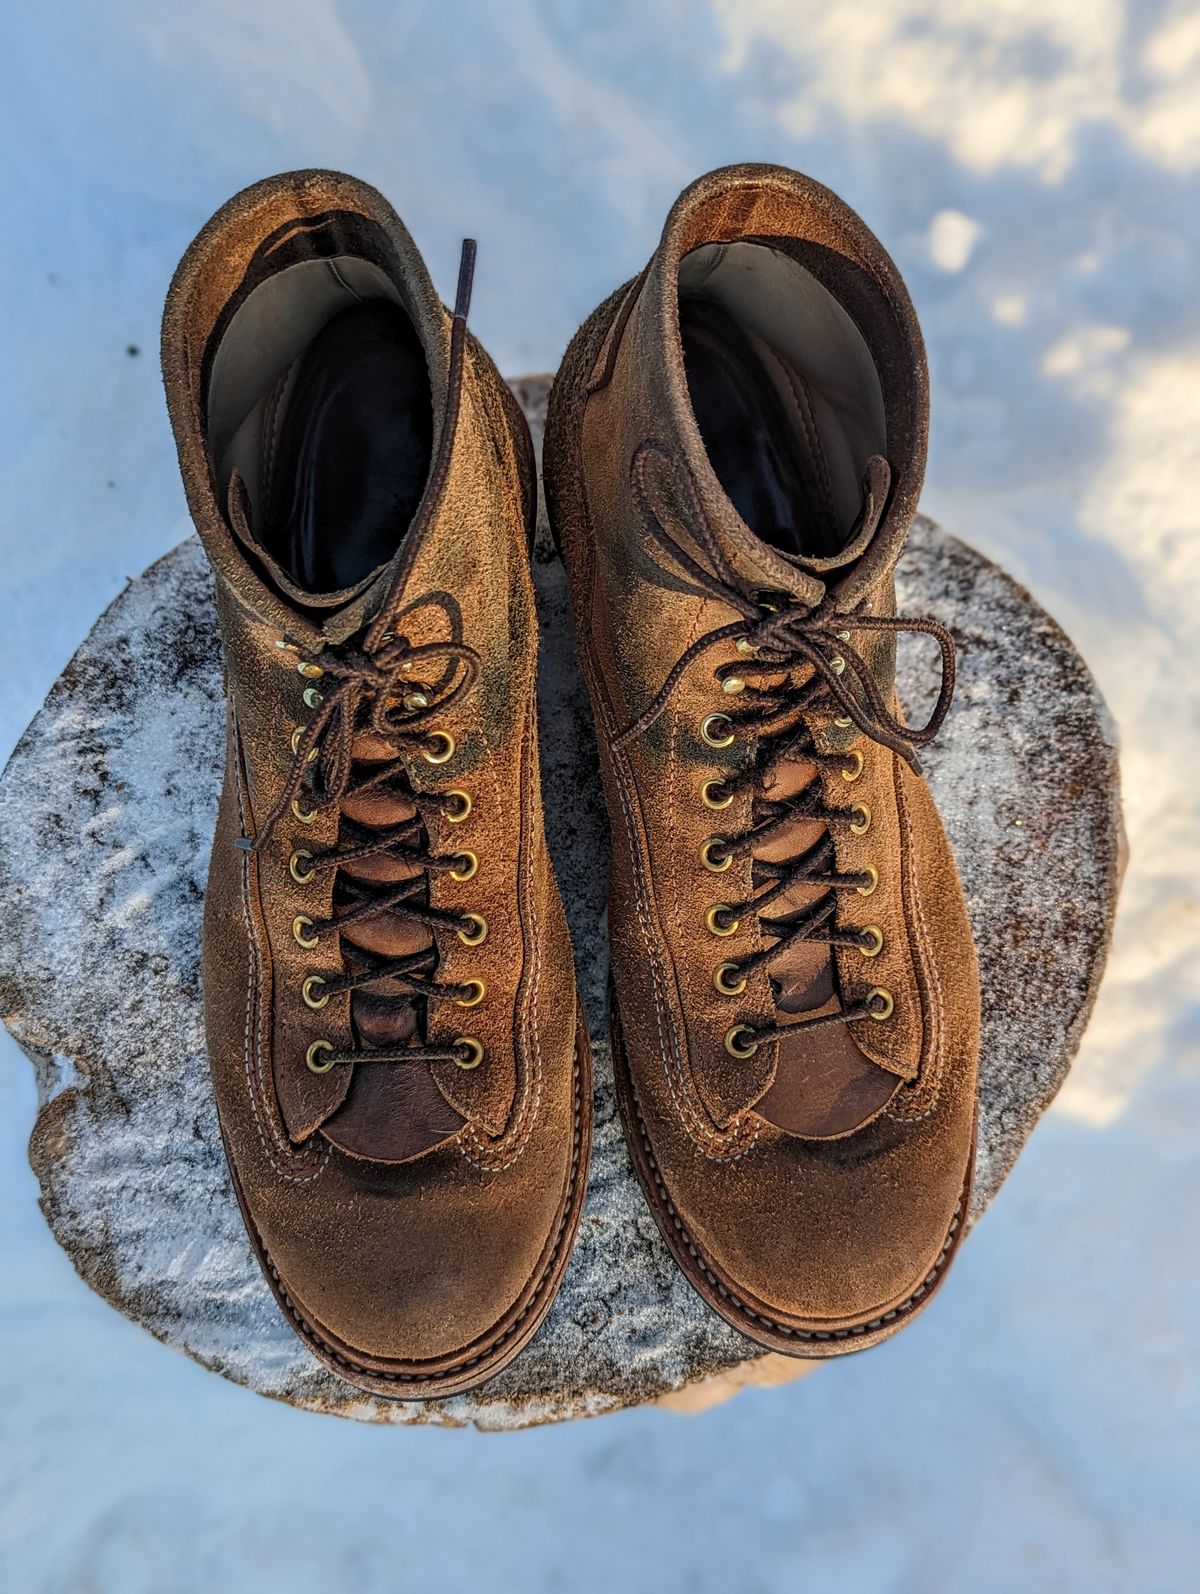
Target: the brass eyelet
(480, 933)
(843, 722)
(315, 1051)
(305, 816)
(313, 698)
(464, 808)
(843, 636)
(306, 991)
(740, 1049)
(706, 795)
(310, 672)
(298, 926)
(864, 819)
(866, 891)
(712, 917)
(732, 685)
(875, 946)
(297, 738)
(285, 646)
(414, 701)
(718, 866)
(837, 664)
(447, 743)
(856, 764)
(721, 982)
(744, 645)
(294, 866)
(469, 862)
(480, 990)
(883, 997)
(710, 734)
(474, 1052)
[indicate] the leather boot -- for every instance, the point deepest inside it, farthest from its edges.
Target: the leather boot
(734, 452)
(398, 1057)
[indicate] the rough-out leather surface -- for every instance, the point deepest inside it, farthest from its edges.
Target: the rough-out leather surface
(413, 1268)
(811, 1242)
(106, 810)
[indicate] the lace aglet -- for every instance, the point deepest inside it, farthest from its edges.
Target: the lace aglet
(246, 843)
(466, 278)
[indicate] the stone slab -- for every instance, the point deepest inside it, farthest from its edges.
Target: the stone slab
(106, 812)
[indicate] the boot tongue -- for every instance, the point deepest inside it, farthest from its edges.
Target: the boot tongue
(339, 614)
(876, 483)
(872, 541)
(823, 1085)
(392, 1112)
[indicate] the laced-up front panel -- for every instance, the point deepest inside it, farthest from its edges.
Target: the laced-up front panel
(797, 670)
(392, 697)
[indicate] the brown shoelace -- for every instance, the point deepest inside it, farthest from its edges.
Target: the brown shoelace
(780, 638)
(376, 689)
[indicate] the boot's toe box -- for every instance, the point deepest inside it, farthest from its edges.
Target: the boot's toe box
(413, 1274)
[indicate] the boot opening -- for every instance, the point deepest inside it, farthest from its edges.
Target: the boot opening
(319, 398)
(785, 392)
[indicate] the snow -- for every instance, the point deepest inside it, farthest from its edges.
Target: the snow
(1035, 170)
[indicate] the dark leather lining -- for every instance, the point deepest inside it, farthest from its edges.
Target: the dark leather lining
(756, 451)
(347, 444)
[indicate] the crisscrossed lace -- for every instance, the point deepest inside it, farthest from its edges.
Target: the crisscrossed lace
(377, 688)
(799, 663)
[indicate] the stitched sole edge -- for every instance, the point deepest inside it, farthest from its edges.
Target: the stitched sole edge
(410, 1381)
(702, 1273)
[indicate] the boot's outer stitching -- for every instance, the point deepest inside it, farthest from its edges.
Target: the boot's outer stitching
(928, 976)
(723, 1146)
(478, 1148)
(267, 1129)
(711, 1140)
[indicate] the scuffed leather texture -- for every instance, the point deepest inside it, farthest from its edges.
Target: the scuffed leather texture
(413, 1266)
(828, 1233)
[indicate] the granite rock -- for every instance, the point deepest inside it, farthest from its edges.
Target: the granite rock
(106, 812)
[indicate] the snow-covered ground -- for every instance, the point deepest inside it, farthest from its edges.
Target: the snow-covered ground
(1034, 165)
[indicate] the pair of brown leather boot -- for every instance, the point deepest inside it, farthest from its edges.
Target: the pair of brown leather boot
(734, 451)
